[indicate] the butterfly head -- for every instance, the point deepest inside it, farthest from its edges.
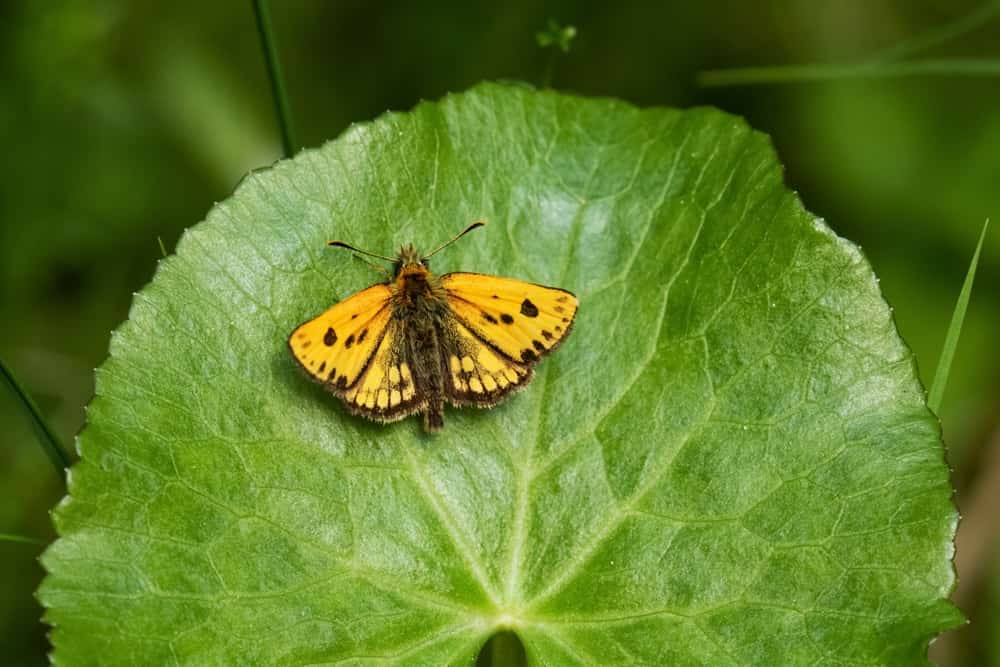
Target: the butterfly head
(409, 257)
(411, 273)
(409, 262)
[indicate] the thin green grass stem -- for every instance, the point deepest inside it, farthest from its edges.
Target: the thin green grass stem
(750, 76)
(21, 539)
(262, 11)
(886, 63)
(933, 37)
(46, 436)
(954, 331)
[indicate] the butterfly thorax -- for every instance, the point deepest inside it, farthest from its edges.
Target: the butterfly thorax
(415, 290)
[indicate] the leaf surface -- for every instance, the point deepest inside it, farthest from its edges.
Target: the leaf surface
(729, 461)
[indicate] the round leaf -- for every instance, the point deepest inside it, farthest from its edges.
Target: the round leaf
(730, 459)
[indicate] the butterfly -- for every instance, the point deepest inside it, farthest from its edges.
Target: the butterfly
(419, 341)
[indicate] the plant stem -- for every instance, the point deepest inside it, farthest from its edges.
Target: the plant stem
(550, 66)
(954, 331)
(262, 12)
(46, 436)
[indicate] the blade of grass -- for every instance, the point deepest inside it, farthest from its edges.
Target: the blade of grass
(954, 330)
(46, 436)
(262, 11)
(749, 76)
(928, 39)
(883, 64)
(7, 537)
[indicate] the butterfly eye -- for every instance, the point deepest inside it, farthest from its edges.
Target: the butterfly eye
(426, 263)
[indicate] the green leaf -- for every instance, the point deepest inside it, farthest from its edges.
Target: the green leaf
(729, 460)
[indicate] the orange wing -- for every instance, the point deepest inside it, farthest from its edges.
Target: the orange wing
(477, 373)
(339, 345)
(385, 391)
(523, 321)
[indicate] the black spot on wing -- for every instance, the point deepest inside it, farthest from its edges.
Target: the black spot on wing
(529, 309)
(538, 345)
(330, 337)
(361, 337)
(507, 319)
(322, 367)
(349, 342)
(489, 318)
(528, 356)
(546, 334)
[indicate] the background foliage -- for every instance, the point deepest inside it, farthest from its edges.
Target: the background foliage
(123, 122)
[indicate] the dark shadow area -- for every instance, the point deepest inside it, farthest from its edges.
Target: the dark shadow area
(504, 648)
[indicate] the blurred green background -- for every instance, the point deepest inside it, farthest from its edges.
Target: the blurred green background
(123, 122)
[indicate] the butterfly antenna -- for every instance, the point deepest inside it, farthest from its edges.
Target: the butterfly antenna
(475, 225)
(371, 264)
(341, 244)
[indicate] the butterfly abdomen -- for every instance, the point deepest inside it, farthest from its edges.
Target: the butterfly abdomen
(423, 353)
(434, 418)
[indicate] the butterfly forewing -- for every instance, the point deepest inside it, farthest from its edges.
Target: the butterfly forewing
(522, 320)
(337, 347)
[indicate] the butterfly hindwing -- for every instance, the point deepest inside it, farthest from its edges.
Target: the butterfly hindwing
(475, 373)
(522, 320)
(386, 390)
(336, 347)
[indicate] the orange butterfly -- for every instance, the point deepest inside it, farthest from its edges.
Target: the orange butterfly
(419, 341)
